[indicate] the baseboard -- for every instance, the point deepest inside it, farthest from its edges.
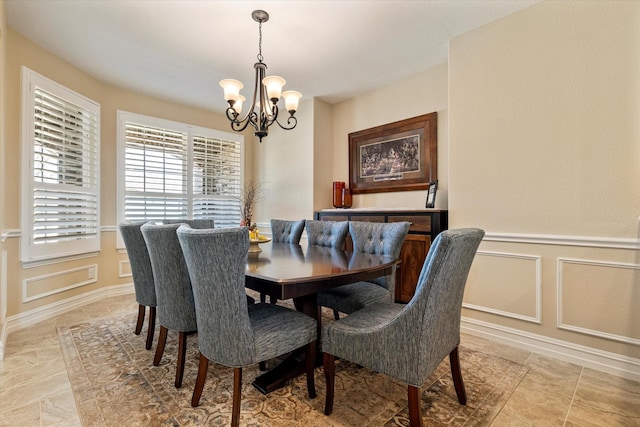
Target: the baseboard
(612, 363)
(28, 318)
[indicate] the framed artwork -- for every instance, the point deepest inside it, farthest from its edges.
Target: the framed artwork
(431, 194)
(399, 156)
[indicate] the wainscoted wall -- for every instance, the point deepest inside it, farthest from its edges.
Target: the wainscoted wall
(31, 293)
(576, 300)
(543, 152)
(541, 144)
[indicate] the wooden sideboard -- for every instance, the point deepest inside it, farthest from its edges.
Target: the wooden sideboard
(426, 224)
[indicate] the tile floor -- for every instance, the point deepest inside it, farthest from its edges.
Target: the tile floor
(35, 389)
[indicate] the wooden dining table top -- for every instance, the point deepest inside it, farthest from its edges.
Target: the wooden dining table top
(286, 270)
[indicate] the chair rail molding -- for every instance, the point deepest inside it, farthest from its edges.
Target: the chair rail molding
(9, 234)
(549, 239)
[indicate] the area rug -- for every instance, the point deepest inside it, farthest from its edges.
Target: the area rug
(115, 384)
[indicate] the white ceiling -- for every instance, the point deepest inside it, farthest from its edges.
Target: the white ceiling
(180, 50)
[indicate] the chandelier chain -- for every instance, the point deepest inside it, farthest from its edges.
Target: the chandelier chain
(260, 57)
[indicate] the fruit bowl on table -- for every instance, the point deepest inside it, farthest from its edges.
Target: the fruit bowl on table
(254, 244)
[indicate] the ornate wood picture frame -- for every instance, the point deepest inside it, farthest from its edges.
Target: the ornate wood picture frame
(399, 156)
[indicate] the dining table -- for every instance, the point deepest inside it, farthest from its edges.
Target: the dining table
(298, 272)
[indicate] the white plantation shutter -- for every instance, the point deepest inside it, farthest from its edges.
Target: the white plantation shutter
(155, 177)
(217, 180)
(171, 170)
(61, 145)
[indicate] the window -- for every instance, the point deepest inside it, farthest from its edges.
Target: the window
(170, 170)
(60, 173)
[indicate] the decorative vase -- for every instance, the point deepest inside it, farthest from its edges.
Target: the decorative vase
(346, 198)
(338, 186)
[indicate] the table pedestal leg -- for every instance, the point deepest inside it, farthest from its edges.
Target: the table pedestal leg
(294, 364)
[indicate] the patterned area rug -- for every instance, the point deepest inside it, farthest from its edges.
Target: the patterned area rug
(115, 384)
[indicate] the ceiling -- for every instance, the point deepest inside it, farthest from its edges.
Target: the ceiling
(180, 50)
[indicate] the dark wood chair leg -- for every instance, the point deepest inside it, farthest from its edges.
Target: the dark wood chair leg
(328, 362)
(456, 373)
(140, 321)
(151, 327)
(310, 363)
(237, 397)
(162, 340)
(182, 354)
(263, 297)
(336, 314)
(203, 365)
(262, 366)
(415, 410)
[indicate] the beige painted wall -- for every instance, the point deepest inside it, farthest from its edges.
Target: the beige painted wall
(421, 94)
(544, 154)
(109, 263)
(3, 87)
(284, 167)
(539, 144)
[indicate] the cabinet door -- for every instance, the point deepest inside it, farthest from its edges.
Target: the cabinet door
(412, 255)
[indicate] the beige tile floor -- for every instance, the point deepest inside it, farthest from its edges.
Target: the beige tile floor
(35, 389)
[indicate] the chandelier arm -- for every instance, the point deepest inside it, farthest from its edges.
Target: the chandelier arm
(291, 119)
(269, 119)
(237, 125)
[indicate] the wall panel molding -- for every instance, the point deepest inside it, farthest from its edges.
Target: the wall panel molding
(89, 271)
(560, 301)
(538, 289)
(121, 269)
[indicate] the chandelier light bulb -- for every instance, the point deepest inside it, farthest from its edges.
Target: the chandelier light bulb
(274, 86)
(237, 106)
(231, 89)
(291, 99)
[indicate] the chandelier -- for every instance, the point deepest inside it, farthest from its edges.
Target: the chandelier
(267, 90)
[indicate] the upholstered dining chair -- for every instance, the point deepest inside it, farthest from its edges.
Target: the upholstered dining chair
(287, 231)
(330, 234)
(374, 238)
(142, 274)
(176, 309)
(407, 342)
(217, 260)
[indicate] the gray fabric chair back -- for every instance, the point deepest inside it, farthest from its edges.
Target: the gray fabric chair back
(193, 223)
(219, 292)
(287, 231)
(437, 304)
(140, 263)
(176, 309)
(379, 238)
(327, 233)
